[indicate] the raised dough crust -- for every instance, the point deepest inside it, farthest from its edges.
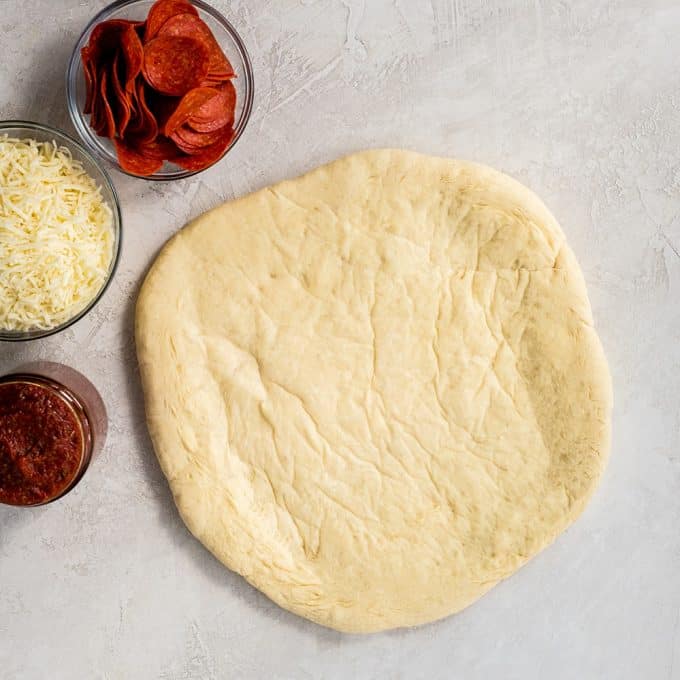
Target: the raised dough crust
(375, 390)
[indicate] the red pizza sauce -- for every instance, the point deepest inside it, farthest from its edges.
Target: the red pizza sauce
(41, 443)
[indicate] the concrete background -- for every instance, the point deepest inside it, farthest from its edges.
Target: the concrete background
(581, 101)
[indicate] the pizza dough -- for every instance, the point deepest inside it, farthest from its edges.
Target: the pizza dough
(375, 390)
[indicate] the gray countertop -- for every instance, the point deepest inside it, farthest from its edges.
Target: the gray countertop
(581, 101)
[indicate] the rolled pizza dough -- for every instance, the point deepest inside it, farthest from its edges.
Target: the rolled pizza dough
(375, 390)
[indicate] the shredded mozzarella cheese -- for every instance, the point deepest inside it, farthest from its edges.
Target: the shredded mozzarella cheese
(56, 235)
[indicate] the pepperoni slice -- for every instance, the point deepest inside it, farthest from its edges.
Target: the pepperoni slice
(192, 142)
(213, 80)
(192, 26)
(207, 156)
(134, 162)
(161, 148)
(90, 78)
(98, 56)
(109, 126)
(134, 108)
(121, 102)
(145, 128)
(150, 128)
(185, 148)
(189, 103)
(96, 118)
(161, 11)
(162, 106)
(133, 55)
(174, 64)
(217, 112)
(105, 37)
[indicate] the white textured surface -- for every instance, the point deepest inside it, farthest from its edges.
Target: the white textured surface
(581, 101)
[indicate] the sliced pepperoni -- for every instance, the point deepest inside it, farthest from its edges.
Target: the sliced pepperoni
(133, 55)
(207, 156)
(160, 89)
(151, 125)
(162, 106)
(90, 78)
(161, 11)
(192, 26)
(97, 58)
(192, 142)
(161, 148)
(109, 123)
(120, 101)
(215, 80)
(96, 117)
(134, 162)
(217, 112)
(106, 36)
(134, 106)
(174, 64)
(144, 128)
(190, 102)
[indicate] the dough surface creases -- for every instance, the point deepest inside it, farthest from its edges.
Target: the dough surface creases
(375, 390)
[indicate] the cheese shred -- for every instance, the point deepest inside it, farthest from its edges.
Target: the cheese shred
(56, 235)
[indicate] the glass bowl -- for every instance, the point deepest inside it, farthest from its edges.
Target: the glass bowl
(44, 133)
(84, 403)
(228, 39)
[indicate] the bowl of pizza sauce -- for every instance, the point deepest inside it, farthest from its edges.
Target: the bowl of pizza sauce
(49, 433)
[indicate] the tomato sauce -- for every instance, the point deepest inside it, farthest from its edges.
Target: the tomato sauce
(41, 444)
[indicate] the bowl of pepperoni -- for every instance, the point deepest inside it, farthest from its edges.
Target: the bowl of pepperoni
(160, 89)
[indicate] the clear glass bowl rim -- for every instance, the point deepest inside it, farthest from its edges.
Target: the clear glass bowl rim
(81, 125)
(75, 403)
(62, 138)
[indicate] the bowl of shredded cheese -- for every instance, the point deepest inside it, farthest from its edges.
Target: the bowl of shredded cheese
(60, 231)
